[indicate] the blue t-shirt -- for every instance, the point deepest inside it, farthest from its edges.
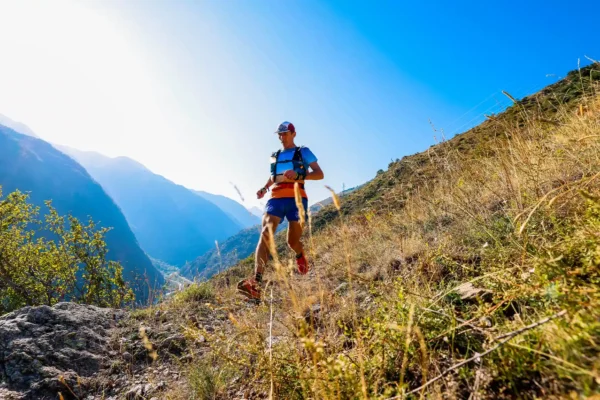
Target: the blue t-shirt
(286, 155)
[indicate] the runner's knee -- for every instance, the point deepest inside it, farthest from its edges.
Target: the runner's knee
(265, 234)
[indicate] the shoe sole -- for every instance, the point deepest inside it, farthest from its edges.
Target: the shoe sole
(248, 295)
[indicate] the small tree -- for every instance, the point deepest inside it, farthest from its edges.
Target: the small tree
(51, 261)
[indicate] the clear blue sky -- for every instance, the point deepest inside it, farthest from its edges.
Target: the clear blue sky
(193, 89)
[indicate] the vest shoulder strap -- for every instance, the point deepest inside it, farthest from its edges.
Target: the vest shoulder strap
(298, 154)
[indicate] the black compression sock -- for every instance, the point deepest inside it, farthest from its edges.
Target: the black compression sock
(258, 277)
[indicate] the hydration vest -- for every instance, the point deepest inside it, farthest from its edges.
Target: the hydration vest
(297, 163)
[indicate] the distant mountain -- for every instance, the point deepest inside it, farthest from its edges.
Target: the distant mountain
(32, 165)
(172, 223)
(257, 211)
(231, 251)
(16, 126)
(235, 210)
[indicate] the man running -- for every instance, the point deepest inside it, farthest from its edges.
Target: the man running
(288, 166)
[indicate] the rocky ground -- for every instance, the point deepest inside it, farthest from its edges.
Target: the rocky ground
(86, 352)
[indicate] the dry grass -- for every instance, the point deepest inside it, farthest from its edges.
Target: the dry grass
(381, 316)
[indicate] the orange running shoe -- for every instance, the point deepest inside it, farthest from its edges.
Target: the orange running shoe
(303, 266)
(249, 288)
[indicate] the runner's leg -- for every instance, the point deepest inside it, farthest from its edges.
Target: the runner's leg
(262, 249)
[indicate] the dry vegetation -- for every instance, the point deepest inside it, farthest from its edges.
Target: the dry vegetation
(474, 274)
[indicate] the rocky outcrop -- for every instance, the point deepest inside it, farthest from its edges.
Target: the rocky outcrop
(45, 350)
(90, 353)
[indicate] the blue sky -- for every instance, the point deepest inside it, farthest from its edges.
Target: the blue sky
(193, 89)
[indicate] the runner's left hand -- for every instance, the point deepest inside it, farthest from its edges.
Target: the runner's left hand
(290, 174)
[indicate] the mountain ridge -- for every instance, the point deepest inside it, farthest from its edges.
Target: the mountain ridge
(17, 126)
(231, 207)
(34, 166)
(172, 223)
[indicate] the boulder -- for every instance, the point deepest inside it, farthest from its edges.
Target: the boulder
(43, 349)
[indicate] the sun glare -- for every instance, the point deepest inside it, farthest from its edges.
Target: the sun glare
(72, 70)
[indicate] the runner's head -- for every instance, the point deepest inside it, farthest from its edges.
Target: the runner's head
(287, 133)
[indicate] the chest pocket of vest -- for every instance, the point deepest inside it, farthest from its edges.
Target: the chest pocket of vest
(297, 162)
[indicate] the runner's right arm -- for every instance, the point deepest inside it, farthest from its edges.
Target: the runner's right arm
(263, 190)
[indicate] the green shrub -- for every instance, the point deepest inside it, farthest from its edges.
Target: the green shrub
(196, 292)
(58, 259)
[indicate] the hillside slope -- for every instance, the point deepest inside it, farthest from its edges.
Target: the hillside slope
(32, 165)
(469, 270)
(172, 223)
(390, 189)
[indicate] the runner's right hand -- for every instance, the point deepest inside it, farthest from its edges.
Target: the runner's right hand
(261, 193)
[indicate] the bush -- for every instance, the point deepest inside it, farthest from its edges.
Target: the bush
(43, 263)
(196, 292)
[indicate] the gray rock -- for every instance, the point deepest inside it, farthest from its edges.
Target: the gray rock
(40, 344)
(312, 315)
(341, 288)
(148, 388)
(6, 394)
(468, 292)
(174, 344)
(135, 393)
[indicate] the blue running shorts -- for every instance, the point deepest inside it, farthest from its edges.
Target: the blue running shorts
(286, 208)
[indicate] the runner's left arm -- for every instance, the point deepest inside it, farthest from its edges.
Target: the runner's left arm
(316, 172)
